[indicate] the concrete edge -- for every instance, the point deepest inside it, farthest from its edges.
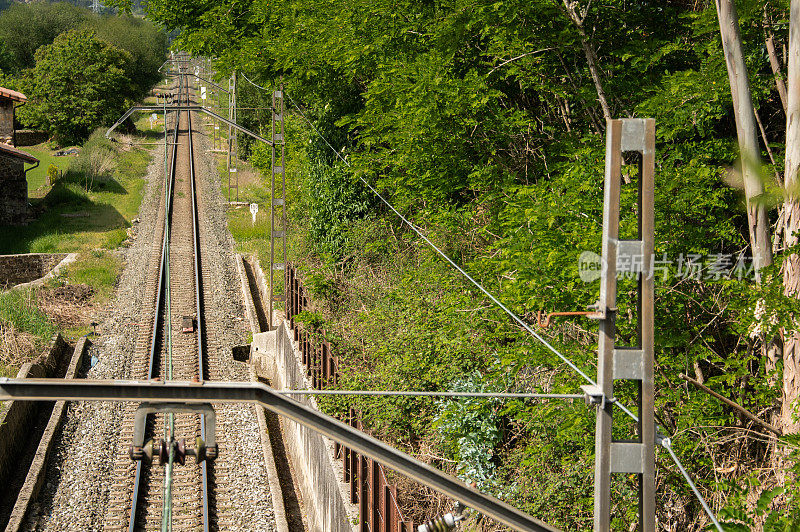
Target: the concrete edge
(66, 261)
(249, 306)
(275, 488)
(272, 369)
(335, 464)
(36, 474)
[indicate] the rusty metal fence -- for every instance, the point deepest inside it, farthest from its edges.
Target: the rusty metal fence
(378, 509)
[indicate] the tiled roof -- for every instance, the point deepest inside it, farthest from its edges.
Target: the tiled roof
(6, 149)
(12, 95)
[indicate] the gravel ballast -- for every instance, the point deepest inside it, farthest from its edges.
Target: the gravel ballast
(79, 475)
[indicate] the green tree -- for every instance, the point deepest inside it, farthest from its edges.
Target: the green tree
(26, 27)
(77, 84)
(145, 42)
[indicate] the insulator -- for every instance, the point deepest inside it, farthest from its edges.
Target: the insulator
(199, 449)
(440, 524)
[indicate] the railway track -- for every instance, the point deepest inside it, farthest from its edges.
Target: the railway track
(146, 494)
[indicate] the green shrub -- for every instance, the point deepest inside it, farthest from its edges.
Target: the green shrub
(94, 163)
(18, 308)
(335, 200)
(52, 174)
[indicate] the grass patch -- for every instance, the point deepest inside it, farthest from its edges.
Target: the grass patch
(24, 330)
(99, 270)
(37, 177)
(18, 308)
(80, 214)
(250, 238)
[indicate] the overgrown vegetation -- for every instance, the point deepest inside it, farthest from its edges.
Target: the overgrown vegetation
(24, 329)
(483, 122)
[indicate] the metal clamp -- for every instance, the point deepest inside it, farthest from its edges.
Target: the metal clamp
(593, 395)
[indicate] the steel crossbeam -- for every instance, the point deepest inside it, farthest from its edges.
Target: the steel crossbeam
(197, 108)
(255, 393)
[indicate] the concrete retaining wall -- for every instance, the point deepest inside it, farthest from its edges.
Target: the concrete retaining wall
(27, 267)
(326, 497)
(17, 418)
(36, 474)
(317, 472)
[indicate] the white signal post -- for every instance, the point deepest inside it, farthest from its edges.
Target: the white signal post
(254, 211)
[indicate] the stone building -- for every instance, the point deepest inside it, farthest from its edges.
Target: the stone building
(13, 182)
(13, 185)
(8, 101)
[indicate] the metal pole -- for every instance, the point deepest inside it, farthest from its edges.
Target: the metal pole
(626, 363)
(277, 209)
(231, 96)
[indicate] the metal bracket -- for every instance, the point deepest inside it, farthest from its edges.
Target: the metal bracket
(203, 450)
(593, 395)
(594, 314)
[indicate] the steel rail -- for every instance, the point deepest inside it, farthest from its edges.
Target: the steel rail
(183, 95)
(168, 186)
(200, 326)
(256, 393)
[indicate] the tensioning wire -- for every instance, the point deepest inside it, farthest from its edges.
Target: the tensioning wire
(497, 302)
(514, 316)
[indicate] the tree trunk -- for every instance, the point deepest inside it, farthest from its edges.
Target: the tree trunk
(758, 224)
(791, 225)
(588, 50)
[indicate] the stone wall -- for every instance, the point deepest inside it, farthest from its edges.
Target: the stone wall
(13, 191)
(16, 419)
(16, 269)
(7, 121)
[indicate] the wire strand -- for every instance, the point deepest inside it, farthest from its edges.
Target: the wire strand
(664, 442)
(667, 444)
(251, 82)
(411, 393)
